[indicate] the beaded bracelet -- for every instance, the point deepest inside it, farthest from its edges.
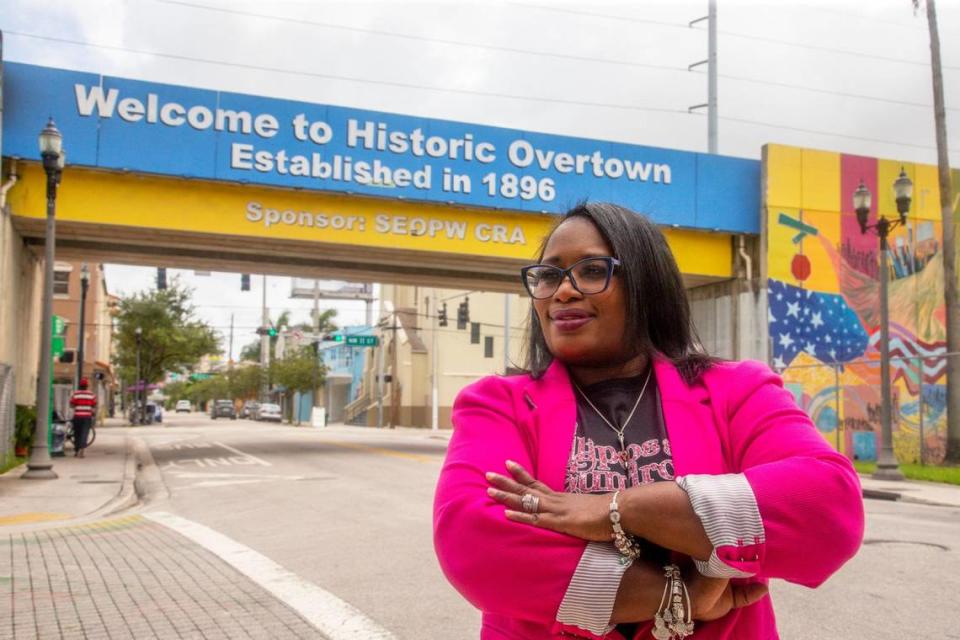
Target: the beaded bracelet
(673, 620)
(625, 543)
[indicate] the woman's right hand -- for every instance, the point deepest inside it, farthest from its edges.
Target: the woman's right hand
(712, 598)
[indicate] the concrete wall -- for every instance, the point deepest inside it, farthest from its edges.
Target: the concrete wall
(21, 282)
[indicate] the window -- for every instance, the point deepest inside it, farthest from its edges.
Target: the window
(488, 346)
(474, 333)
(61, 283)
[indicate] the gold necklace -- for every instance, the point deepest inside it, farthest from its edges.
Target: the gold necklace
(619, 431)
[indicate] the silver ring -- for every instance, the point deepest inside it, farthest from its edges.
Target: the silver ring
(530, 503)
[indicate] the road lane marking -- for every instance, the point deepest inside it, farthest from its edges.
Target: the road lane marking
(259, 461)
(418, 457)
(333, 617)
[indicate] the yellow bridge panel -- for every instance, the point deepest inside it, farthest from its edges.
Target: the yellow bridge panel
(210, 208)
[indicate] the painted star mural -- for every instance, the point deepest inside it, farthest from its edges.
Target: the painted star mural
(820, 324)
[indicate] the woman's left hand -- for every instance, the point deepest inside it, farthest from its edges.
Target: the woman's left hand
(580, 515)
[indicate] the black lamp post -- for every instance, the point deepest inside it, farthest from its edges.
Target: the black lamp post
(137, 407)
(84, 286)
(887, 468)
(40, 465)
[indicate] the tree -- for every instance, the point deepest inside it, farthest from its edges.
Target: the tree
(300, 370)
(172, 339)
(251, 351)
(949, 239)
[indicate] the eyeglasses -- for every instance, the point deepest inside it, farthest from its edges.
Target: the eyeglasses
(588, 276)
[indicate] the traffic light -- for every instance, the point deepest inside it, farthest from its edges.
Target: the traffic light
(272, 332)
(161, 278)
(332, 337)
(463, 314)
(443, 315)
(244, 282)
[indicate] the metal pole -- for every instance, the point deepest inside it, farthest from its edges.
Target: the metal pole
(712, 117)
(506, 333)
(264, 343)
(380, 374)
(395, 398)
(435, 367)
(40, 465)
(920, 401)
(886, 461)
(315, 345)
(836, 400)
(230, 354)
(138, 405)
(84, 285)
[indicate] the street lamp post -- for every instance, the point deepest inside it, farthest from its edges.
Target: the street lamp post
(138, 405)
(40, 466)
(84, 285)
(887, 468)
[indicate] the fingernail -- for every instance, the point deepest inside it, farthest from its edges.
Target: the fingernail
(511, 463)
(489, 475)
(491, 492)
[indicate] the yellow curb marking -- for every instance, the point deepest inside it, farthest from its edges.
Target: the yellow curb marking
(32, 516)
(418, 457)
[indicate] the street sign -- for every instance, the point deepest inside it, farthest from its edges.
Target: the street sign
(59, 324)
(57, 339)
(363, 341)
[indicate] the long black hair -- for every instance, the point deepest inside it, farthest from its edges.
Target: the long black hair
(658, 312)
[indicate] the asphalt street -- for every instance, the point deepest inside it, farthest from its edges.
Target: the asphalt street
(349, 510)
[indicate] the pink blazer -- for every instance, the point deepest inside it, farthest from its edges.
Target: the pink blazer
(737, 419)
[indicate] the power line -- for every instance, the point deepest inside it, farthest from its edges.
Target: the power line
(735, 34)
(331, 76)
(844, 94)
(429, 39)
(532, 52)
(773, 125)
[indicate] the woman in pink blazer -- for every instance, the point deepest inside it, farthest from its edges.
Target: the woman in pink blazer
(629, 484)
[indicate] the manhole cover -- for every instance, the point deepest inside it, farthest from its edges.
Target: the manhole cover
(916, 543)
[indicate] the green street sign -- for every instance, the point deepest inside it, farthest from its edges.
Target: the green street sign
(363, 341)
(58, 326)
(57, 346)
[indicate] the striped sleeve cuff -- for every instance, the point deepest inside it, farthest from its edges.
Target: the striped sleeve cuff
(727, 508)
(588, 602)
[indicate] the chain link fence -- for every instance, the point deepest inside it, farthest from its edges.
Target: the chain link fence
(844, 401)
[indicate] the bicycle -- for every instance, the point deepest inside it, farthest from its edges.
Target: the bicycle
(91, 434)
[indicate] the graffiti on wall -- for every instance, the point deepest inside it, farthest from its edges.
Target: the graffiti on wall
(823, 291)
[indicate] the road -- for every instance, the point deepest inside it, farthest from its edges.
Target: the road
(349, 510)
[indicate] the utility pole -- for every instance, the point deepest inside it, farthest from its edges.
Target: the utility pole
(230, 352)
(506, 333)
(435, 368)
(949, 240)
(395, 377)
(264, 344)
(380, 375)
(315, 343)
(711, 62)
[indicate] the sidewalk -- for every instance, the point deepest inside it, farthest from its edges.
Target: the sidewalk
(94, 486)
(915, 491)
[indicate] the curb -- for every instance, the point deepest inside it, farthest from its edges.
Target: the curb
(127, 496)
(149, 482)
(876, 494)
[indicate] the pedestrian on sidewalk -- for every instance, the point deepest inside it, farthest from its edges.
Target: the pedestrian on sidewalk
(630, 485)
(84, 403)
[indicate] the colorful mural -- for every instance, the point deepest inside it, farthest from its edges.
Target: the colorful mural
(823, 279)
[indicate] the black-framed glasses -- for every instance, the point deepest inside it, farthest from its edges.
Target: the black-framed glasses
(588, 276)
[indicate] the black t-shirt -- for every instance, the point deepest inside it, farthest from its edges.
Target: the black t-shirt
(597, 462)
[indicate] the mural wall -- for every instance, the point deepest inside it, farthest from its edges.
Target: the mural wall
(823, 299)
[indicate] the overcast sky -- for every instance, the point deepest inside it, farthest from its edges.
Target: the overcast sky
(845, 75)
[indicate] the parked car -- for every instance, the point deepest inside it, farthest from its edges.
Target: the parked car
(183, 405)
(249, 409)
(269, 413)
(223, 409)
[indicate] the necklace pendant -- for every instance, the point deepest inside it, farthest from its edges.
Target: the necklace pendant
(624, 456)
